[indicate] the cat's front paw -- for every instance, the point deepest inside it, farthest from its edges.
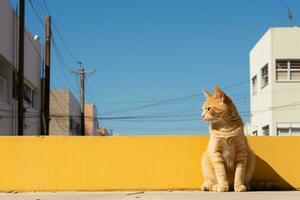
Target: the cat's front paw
(220, 188)
(240, 188)
(206, 187)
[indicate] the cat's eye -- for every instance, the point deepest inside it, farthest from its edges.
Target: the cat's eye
(208, 108)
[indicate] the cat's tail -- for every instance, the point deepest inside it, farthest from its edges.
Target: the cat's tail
(268, 186)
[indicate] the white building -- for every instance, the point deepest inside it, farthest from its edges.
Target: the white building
(8, 73)
(275, 83)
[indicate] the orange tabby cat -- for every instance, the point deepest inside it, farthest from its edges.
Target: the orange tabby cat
(228, 160)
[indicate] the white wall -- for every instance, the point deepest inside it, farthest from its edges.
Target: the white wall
(8, 31)
(276, 102)
(32, 64)
(260, 55)
(286, 45)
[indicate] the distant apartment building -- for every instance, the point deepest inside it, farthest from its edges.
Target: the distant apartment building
(275, 83)
(90, 120)
(64, 113)
(8, 75)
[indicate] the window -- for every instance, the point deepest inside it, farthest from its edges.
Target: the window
(266, 130)
(254, 133)
(29, 95)
(281, 70)
(254, 84)
(74, 126)
(295, 70)
(288, 70)
(4, 90)
(295, 131)
(285, 129)
(264, 76)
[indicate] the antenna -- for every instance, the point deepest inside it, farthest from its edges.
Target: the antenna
(290, 15)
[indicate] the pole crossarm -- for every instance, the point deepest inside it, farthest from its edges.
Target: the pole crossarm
(82, 73)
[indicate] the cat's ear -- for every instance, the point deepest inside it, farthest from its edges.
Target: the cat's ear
(219, 94)
(207, 94)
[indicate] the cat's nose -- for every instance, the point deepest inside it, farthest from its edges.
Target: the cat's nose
(202, 115)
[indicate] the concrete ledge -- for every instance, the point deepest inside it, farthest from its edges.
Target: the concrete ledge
(178, 195)
(130, 163)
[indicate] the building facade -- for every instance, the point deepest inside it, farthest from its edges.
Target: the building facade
(275, 83)
(64, 113)
(104, 132)
(90, 120)
(8, 75)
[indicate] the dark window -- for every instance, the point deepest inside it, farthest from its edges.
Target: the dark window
(254, 133)
(4, 90)
(264, 76)
(266, 130)
(30, 95)
(254, 84)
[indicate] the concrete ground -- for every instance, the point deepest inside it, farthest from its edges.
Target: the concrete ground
(175, 195)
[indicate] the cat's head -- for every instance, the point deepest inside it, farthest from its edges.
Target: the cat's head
(216, 106)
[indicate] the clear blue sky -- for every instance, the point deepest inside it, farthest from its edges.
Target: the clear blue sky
(147, 50)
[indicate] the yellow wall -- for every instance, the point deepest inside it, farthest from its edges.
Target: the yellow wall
(129, 163)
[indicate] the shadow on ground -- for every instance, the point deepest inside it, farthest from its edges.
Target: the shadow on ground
(266, 178)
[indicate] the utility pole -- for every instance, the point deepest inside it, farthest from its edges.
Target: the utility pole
(82, 99)
(82, 73)
(21, 68)
(45, 130)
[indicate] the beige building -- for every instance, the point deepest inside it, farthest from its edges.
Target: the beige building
(8, 75)
(90, 120)
(64, 113)
(275, 83)
(104, 132)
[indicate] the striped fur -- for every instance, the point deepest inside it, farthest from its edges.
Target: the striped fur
(228, 161)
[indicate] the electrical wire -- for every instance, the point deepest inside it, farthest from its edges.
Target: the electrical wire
(165, 101)
(59, 34)
(90, 91)
(56, 50)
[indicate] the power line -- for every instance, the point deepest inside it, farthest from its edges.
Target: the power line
(153, 104)
(36, 12)
(195, 99)
(60, 60)
(141, 118)
(188, 115)
(46, 6)
(90, 92)
(59, 34)
(165, 101)
(56, 50)
(160, 102)
(58, 56)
